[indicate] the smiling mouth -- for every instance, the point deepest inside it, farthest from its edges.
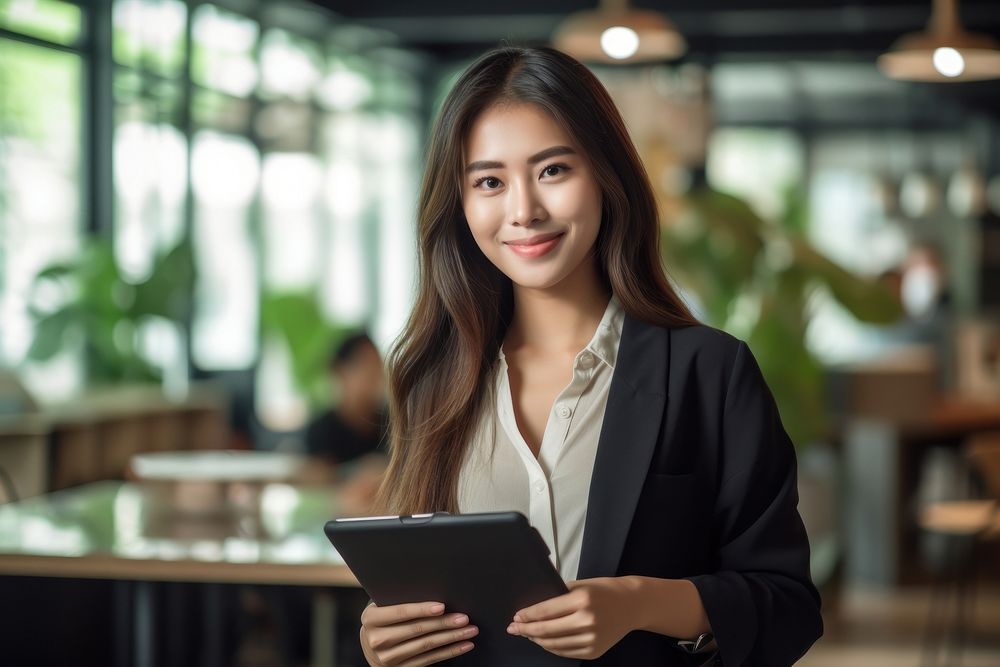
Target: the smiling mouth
(536, 246)
(534, 240)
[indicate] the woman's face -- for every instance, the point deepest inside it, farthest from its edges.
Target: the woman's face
(529, 195)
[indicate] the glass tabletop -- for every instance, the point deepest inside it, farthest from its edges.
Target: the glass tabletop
(264, 523)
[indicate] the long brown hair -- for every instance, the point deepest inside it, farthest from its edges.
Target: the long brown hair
(442, 366)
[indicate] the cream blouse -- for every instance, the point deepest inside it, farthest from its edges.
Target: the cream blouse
(552, 490)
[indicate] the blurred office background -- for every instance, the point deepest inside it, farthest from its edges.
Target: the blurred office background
(200, 201)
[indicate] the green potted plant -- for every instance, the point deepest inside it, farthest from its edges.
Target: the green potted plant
(754, 278)
(88, 301)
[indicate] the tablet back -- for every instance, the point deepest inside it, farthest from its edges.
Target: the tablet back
(487, 565)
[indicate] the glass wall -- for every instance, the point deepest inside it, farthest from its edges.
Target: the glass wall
(276, 142)
(41, 89)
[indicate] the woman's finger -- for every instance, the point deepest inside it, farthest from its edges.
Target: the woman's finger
(572, 624)
(440, 655)
(429, 643)
(567, 643)
(552, 608)
(381, 638)
(373, 615)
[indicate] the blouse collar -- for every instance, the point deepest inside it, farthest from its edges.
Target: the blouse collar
(606, 339)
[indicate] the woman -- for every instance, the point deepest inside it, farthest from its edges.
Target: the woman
(549, 367)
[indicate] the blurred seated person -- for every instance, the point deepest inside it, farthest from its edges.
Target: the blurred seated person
(357, 423)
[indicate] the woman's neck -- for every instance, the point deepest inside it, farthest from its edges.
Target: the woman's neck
(561, 318)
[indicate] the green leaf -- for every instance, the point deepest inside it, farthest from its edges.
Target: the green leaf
(56, 271)
(50, 333)
(169, 290)
(296, 319)
(868, 300)
(104, 300)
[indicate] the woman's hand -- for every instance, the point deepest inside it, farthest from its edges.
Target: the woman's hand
(583, 623)
(413, 635)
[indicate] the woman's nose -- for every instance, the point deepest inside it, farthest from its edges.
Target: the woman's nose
(526, 206)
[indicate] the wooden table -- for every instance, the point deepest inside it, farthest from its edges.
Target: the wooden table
(883, 458)
(125, 532)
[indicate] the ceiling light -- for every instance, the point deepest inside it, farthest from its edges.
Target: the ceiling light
(619, 42)
(617, 33)
(943, 52)
(948, 61)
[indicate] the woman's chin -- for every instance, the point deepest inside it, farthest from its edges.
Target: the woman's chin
(536, 281)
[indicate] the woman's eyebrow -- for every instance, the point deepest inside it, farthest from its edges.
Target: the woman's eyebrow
(537, 157)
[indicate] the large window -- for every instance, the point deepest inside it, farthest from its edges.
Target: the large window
(292, 144)
(41, 75)
(282, 143)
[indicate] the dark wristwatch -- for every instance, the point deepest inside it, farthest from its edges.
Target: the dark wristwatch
(705, 642)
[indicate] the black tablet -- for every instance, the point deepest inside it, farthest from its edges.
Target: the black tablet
(486, 565)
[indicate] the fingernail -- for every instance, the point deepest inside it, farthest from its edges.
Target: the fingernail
(510, 628)
(459, 620)
(437, 608)
(517, 617)
(466, 646)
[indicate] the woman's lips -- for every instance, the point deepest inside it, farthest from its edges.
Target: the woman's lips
(535, 248)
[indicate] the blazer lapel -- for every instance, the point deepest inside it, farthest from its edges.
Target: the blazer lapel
(636, 401)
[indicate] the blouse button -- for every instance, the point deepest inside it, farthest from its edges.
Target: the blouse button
(564, 411)
(539, 486)
(586, 360)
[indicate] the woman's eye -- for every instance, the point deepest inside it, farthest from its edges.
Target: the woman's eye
(558, 167)
(487, 179)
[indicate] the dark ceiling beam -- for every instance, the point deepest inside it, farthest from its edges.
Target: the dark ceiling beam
(718, 23)
(442, 8)
(850, 33)
(717, 31)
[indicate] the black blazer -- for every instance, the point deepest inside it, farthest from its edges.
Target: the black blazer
(695, 478)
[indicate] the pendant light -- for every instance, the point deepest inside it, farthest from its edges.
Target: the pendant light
(618, 33)
(943, 52)
(966, 194)
(920, 192)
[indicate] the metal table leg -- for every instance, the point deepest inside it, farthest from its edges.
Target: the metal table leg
(144, 647)
(213, 628)
(123, 623)
(324, 628)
